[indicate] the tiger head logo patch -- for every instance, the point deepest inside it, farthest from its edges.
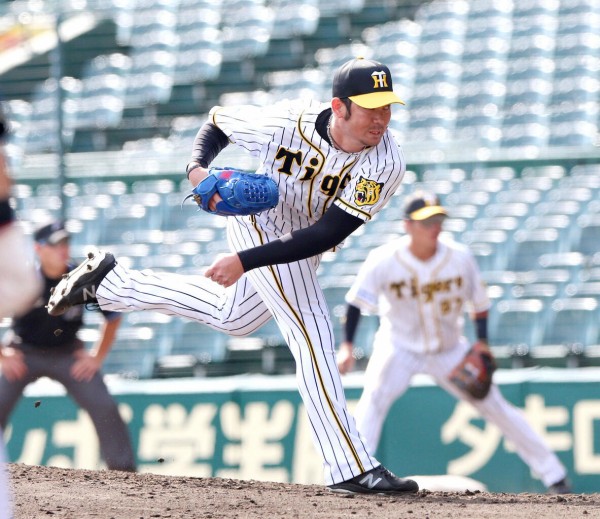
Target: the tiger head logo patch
(367, 192)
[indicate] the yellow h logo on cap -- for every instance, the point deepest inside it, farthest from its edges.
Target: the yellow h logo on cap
(379, 79)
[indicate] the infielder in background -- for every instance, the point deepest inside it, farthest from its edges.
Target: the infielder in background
(420, 286)
(18, 281)
(335, 164)
(40, 345)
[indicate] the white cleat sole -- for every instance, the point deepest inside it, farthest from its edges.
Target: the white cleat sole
(57, 303)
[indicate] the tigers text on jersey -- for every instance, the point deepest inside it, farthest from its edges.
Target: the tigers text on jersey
(311, 174)
(421, 303)
(290, 142)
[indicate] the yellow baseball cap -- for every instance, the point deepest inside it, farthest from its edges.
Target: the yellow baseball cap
(365, 82)
(422, 205)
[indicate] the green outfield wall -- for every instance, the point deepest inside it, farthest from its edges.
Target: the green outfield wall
(255, 427)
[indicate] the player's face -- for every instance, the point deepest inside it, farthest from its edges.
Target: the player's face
(425, 233)
(433, 222)
(366, 126)
(54, 258)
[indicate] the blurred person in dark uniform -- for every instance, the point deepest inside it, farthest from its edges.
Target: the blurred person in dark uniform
(19, 284)
(39, 345)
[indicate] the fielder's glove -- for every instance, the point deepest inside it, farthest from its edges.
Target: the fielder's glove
(473, 375)
(243, 193)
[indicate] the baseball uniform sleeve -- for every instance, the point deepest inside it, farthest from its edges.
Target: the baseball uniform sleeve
(251, 127)
(364, 292)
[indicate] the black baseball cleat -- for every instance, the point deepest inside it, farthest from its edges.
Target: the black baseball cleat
(560, 487)
(376, 481)
(78, 287)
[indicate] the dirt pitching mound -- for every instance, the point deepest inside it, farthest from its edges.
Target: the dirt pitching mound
(80, 494)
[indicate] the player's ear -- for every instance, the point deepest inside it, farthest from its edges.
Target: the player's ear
(338, 107)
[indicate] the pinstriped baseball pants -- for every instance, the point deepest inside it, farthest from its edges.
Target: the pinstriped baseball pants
(291, 294)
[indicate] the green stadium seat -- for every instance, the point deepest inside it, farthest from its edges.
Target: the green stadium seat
(570, 264)
(199, 56)
(128, 254)
(582, 43)
(340, 7)
(19, 113)
(151, 76)
(561, 277)
(485, 255)
(587, 235)
(329, 59)
(199, 52)
(246, 29)
(119, 223)
(573, 129)
(524, 134)
(546, 292)
(520, 210)
(43, 125)
(103, 92)
(293, 18)
(583, 7)
(571, 327)
(83, 226)
(382, 37)
(516, 326)
(505, 223)
(206, 344)
(431, 12)
(489, 246)
(308, 83)
(584, 288)
(132, 355)
(529, 245)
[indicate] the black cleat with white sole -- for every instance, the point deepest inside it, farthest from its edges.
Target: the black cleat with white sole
(560, 487)
(376, 481)
(79, 286)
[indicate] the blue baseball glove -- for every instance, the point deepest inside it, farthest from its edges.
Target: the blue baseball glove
(243, 193)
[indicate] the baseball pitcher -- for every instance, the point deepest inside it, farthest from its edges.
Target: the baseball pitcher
(325, 169)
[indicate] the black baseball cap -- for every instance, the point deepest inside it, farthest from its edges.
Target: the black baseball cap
(51, 234)
(366, 82)
(422, 205)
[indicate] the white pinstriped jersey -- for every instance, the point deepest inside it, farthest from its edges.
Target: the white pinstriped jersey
(421, 304)
(310, 173)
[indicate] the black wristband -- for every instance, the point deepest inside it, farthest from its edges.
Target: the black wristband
(481, 328)
(7, 214)
(351, 322)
